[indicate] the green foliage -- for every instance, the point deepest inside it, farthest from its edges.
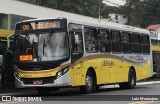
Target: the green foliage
(83, 7)
(142, 13)
(29, 1)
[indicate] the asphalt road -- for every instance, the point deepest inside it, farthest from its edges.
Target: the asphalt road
(109, 95)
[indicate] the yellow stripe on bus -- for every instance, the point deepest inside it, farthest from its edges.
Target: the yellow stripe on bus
(40, 73)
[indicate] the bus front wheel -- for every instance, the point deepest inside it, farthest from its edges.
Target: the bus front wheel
(88, 88)
(131, 81)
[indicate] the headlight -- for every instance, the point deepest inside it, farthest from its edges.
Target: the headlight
(65, 70)
(17, 75)
(62, 72)
(59, 74)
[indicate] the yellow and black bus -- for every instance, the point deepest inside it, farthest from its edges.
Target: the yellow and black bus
(155, 41)
(54, 53)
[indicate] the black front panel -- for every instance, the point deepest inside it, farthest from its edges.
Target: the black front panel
(34, 66)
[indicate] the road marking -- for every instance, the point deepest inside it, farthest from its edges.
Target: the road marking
(143, 102)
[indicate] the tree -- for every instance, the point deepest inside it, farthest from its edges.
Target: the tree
(30, 1)
(83, 7)
(141, 13)
(152, 12)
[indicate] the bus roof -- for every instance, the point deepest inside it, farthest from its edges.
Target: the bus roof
(99, 23)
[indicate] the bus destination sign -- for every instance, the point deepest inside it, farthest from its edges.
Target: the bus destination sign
(38, 25)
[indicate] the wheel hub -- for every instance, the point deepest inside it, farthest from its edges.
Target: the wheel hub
(88, 82)
(132, 80)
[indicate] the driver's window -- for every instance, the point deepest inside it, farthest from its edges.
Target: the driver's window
(10, 43)
(77, 43)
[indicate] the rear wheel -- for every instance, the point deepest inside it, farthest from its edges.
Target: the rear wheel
(131, 80)
(97, 87)
(55, 89)
(88, 88)
(43, 90)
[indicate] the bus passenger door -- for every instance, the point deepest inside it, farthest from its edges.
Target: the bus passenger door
(76, 55)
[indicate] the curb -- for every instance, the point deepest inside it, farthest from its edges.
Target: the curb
(148, 83)
(138, 84)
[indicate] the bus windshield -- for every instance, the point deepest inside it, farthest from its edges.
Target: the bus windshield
(42, 46)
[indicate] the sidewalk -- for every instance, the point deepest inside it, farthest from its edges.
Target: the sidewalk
(138, 84)
(148, 82)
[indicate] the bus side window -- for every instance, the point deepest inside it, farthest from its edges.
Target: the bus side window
(136, 43)
(116, 42)
(145, 44)
(104, 40)
(77, 43)
(126, 41)
(90, 35)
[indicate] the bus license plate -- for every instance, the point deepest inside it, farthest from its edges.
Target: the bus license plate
(38, 82)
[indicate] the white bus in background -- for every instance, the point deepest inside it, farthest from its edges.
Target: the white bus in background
(155, 41)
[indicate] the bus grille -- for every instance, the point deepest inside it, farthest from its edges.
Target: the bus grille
(47, 80)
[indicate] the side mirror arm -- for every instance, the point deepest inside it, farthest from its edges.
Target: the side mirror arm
(8, 43)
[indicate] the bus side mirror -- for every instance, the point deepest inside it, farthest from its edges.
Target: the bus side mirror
(1, 62)
(10, 39)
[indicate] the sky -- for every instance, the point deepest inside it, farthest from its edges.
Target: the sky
(114, 2)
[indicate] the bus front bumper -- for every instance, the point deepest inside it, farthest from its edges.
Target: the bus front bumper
(64, 80)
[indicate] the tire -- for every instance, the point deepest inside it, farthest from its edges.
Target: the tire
(131, 81)
(97, 87)
(55, 89)
(88, 88)
(43, 91)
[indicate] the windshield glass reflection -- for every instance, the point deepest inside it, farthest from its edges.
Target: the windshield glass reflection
(43, 47)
